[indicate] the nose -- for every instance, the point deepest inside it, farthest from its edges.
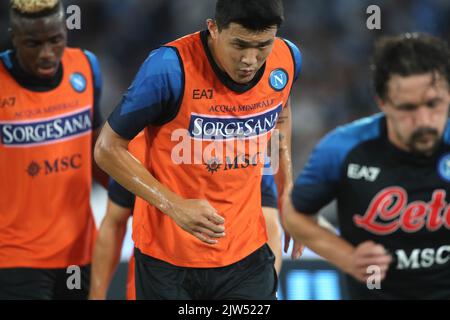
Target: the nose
(423, 117)
(250, 57)
(46, 52)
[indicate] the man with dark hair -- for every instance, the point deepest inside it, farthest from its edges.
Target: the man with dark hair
(390, 174)
(208, 103)
(50, 106)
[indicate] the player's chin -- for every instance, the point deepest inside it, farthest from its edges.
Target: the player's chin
(243, 78)
(426, 148)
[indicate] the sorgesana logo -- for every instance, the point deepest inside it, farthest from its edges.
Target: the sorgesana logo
(225, 127)
(20, 134)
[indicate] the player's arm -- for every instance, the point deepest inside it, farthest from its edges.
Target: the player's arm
(283, 176)
(141, 107)
(197, 217)
(100, 176)
(316, 186)
(108, 245)
(352, 260)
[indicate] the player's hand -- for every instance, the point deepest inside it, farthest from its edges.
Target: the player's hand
(198, 218)
(369, 254)
(287, 241)
(297, 250)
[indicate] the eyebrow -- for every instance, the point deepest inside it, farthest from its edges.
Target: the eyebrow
(435, 99)
(244, 43)
(32, 38)
(408, 105)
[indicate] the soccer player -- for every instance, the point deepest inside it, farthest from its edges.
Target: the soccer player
(49, 97)
(390, 174)
(205, 101)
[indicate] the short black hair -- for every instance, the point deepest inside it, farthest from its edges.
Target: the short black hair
(255, 15)
(408, 54)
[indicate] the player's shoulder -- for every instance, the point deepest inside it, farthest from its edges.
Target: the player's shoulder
(164, 59)
(189, 40)
(296, 55)
(292, 46)
(74, 52)
(79, 54)
(5, 58)
(90, 55)
(346, 137)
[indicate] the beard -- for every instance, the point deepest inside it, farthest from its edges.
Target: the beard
(418, 137)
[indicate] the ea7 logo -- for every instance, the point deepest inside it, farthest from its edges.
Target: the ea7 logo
(198, 94)
(357, 172)
(7, 102)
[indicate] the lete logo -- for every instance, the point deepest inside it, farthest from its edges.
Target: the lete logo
(389, 211)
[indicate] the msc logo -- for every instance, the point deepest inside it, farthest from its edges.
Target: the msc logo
(278, 79)
(422, 257)
(205, 127)
(78, 82)
(242, 161)
(33, 169)
(24, 134)
(53, 166)
(444, 167)
(213, 165)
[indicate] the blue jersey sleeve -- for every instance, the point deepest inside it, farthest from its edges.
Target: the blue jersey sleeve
(98, 83)
(119, 195)
(317, 185)
(447, 133)
(154, 96)
(297, 56)
(269, 193)
(6, 59)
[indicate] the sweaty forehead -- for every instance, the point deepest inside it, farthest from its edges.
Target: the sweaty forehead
(416, 89)
(237, 32)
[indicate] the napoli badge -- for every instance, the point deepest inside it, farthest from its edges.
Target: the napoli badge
(78, 82)
(278, 79)
(444, 167)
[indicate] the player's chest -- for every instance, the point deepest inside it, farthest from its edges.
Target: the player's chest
(383, 195)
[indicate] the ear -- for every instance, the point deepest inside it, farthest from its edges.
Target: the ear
(12, 36)
(212, 28)
(381, 103)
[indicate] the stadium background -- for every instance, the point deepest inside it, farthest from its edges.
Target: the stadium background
(334, 86)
